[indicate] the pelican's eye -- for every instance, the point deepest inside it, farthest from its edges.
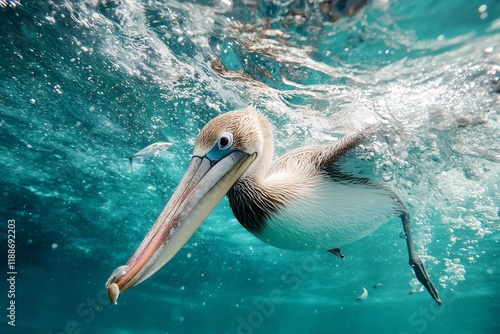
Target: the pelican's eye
(220, 149)
(225, 140)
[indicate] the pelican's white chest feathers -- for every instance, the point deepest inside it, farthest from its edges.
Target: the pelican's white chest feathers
(326, 214)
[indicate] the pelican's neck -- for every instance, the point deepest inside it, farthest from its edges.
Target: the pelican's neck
(250, 198)
(259, 169)
(252, 203)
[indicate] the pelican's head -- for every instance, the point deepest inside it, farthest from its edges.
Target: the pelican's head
(229, 146)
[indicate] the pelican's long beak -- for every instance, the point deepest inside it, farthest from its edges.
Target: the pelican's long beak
(200, 190)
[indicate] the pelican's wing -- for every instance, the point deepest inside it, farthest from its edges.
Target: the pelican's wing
(346, 160)
(339, 149)
(342, 159)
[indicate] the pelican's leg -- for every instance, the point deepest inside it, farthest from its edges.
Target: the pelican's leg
(415, 261)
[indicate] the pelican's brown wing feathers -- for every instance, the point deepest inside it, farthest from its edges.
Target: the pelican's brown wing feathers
(343, 160)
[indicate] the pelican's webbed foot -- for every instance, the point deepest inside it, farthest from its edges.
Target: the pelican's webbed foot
(423, 277)
(337, 252)
(415, 261)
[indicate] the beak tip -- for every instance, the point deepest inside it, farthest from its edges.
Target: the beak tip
(113, 293)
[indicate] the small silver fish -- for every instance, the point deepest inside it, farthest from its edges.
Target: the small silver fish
(363, 295)
(149, 151)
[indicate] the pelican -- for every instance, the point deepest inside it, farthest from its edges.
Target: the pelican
(311, 197)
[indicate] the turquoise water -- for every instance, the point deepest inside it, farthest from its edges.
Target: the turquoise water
(85, 84)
